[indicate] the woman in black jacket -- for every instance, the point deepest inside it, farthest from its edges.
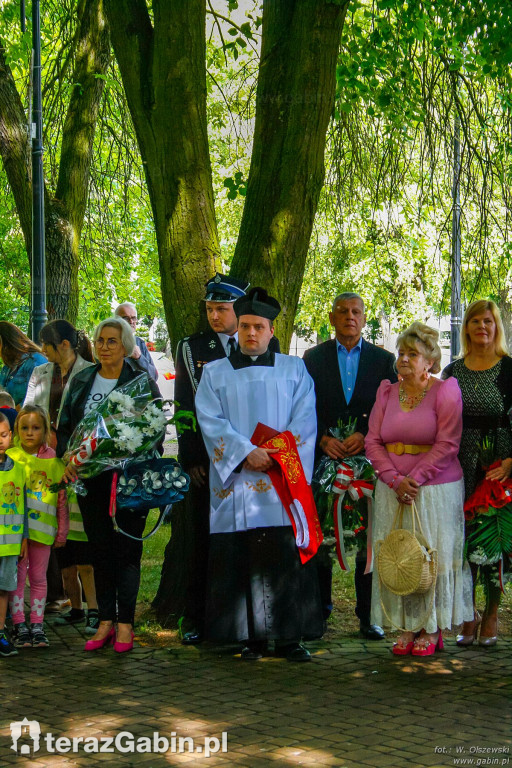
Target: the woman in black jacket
(116, 558)
(484, 374)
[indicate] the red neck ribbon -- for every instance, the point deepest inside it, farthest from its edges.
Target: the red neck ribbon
(288, 478)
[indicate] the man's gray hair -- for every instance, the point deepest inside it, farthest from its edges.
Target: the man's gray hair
(127, 337)
(345, 296)
(125, 304)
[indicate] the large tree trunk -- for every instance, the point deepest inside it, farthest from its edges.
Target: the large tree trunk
(64, 213)
(15, 147)
(163, 67)
(295, 100)
(163, 70)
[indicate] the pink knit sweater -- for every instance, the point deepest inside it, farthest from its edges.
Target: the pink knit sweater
(436, 421)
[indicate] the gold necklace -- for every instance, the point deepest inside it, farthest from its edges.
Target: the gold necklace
(411, 401)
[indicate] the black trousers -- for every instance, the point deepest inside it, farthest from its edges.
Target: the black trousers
(258, 589)
(197, 526)
(362, 582)
(115, 557)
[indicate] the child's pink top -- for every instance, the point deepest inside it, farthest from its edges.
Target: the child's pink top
(436, 421)
(45, 452)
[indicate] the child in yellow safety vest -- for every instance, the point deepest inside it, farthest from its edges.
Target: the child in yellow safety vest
(48, 521)
(13, 527)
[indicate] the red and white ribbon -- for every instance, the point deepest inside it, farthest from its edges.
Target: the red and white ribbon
(356, 489)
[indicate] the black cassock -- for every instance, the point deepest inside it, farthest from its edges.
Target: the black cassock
(258, 589)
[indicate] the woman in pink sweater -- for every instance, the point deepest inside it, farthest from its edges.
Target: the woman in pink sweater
(413, 441)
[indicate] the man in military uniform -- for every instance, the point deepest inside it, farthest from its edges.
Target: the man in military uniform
(192, 354)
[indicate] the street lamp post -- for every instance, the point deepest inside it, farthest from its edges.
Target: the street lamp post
(456, 304)
(38, 303)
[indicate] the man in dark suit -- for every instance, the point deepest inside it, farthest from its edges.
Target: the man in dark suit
(347, 372)
(192, 354)
(141, 354)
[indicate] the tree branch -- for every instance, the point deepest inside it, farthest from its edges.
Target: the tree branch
(15, 147)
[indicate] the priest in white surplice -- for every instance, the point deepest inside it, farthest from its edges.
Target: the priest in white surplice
(257, 588)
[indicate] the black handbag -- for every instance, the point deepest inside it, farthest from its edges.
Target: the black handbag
(144, 485)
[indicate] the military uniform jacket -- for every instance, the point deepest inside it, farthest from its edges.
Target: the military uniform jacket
(193, 353)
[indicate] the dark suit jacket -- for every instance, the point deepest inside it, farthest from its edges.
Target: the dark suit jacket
(375, 365)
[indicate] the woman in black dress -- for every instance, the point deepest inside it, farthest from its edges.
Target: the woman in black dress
(484, 374)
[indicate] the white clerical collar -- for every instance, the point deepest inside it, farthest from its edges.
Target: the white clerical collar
(224, 338)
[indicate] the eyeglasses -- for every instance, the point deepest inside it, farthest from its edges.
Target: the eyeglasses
(109, 343)
(131, 320)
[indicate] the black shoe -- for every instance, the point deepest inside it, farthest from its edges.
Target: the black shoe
(6, 647)
(309, 638)
(194, 637)
(371, 631)
(74, 616)
(92, 623)
(253, 651)
(21, 636)
(293, 652)
(39, 639)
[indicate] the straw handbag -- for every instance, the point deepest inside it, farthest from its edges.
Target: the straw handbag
(405, 563)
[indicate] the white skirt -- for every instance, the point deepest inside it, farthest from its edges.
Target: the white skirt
(440, 509)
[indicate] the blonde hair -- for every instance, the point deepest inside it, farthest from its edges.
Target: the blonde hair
(40, 411)
(478, 308)
(423, 339)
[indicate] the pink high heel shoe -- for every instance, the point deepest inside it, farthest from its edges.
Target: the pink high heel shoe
(123, 647)
(404, 650)
(94, 645)
(430, 648)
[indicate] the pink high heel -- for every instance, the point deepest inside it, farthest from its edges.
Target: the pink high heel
(404, 650)
(123, 647)
(94, 645)
(430, 648)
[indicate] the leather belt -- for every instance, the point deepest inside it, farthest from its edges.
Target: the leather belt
(401, 448)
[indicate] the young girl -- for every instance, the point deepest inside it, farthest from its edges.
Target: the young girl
(13, 527)
(48, 521)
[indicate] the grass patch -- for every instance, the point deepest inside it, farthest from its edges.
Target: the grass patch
(343, 621)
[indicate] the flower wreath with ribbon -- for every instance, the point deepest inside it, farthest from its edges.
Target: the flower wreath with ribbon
(343, 492)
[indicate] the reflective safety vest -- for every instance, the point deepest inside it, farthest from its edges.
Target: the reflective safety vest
(12, 510)
(76, 524)
(41, 502)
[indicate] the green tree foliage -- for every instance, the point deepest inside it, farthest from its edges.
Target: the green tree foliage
(405, 71)
(118, 258)
(383, 221)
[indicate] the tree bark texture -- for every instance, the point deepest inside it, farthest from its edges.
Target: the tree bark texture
(163, 67)
(170, 601)
(15, 147)
(65, 216)
(294, 102)
(64, 213)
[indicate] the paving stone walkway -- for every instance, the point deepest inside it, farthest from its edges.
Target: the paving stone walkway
(354, 706)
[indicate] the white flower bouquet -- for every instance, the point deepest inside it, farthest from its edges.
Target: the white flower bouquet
(129, 424)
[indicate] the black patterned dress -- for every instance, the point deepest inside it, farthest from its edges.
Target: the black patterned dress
(486, 400)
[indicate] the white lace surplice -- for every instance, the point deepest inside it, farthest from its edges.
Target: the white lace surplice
(229, 404)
